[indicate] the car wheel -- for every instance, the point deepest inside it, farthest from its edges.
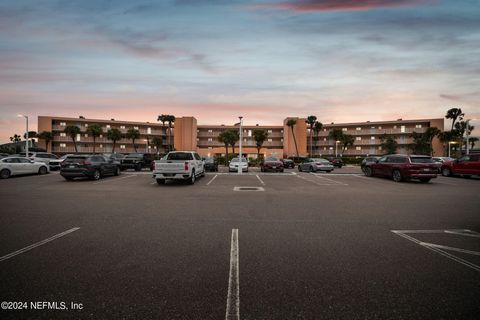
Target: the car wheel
(138, 168)
(42, 170)
(425, 180)
(299, 169)
(96, 175)
(328, 171)
(161, 181)
(340, 167)
(203, 173)
(68, 178)
(396, 176)
(5, 174)
(311, 169)
(367, 171)
(446, 172)
(192, 178)
(117, 171)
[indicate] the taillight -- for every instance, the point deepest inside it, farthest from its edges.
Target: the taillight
(186, 166)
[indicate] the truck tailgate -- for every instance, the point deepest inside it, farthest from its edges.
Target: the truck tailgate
(163, 166)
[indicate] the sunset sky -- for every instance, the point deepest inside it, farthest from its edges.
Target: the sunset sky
(341, 60)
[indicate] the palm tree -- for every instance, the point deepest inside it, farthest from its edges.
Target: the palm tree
(347, 141)
(316, 129)
(429, 134)
(311, 120)
(94, 130)
(133, 134)
(157, 143)
(223, 138)
(389, 143)
(291, 123)
(454, 114)
(72, 132)
(170, 120)
(259, 136)
(47, 136)
(16, 139)
(233, 136)
(472, 142)
(114, 134)
(31, 135)
(163, 118)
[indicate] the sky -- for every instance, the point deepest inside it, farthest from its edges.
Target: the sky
(341, 60)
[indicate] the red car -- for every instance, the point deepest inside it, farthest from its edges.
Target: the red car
(271, 164)
(403, 167)
(467, 165)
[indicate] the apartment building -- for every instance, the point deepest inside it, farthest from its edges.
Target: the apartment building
(282, 141)
(62, 143)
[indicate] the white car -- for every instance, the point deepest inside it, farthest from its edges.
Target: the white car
(235, 163)
(179, 165)
(48, 158)
(11, 166)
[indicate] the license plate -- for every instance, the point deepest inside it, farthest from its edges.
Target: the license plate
(426, 169)
(71, 166)
(274, 167)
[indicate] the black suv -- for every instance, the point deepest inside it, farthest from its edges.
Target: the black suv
(88, 166)
(288, 163)
(137, 161)
(337, 162)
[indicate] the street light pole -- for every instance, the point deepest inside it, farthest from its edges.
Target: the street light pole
(468, 149)
(26, 135)
(240, 147)
(336, 148)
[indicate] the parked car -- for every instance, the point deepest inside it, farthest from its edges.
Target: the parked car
(298, 159)
(56, 164)
(235, 163)
(467, 165)
(288, 163)
(210, 164)
(368, 160)
(179, 165)
(43, 157)
(403, 167)
(440, 160)
(271, 164)
(137, 161)
(88, 166)
(337, 162)
(315, 164)
(4, 155)
(11, 166)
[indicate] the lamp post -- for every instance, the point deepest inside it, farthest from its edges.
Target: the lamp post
(146, 145)
(336, 148)
(449, 145)
(468, 135)
(26, 134)
(240, 147)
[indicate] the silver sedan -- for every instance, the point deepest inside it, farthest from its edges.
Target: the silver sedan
(11, 166)
(315, 164)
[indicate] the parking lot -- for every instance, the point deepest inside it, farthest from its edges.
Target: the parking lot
(253, 246)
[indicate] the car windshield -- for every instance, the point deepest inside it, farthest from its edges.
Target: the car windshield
(180, 156)
(75, 158)
(271, 159)
(209, 159)
(236, 160)
(422, 160)
(321, 160)
(135, 155)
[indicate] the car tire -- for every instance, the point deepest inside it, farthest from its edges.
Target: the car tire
(367, 171)
(397, 176)
(425, 180)
(42, 170)
(299, 169)
(446, 172)
(328, 171)
(161, 181)
(117, 171)
(203, 173)
(96, 175)
(138, 168)
(5, 174)
(311, 169)
(68, 178)
(191, 180)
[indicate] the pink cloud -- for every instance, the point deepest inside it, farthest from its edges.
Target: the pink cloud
(339, 5)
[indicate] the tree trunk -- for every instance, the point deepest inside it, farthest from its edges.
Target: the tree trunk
(93, 144)
(75, 145)
(233, 149)
(113, 148)
(295, 141)
(226, 153)
(134, 146)
(311, 145)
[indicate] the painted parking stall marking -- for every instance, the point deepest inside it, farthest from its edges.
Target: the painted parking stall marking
(211, 180)
(233, 295)
(259, 179)
(441, 249)
(30, 247)
(115, 179)
(327, 179)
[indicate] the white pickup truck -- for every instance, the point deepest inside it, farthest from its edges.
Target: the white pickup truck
(179, 165)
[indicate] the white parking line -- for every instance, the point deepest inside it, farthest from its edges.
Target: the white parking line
(30, 247)
(233, 296)
(211, 180)
(334, 181)
(314, 182)
(436, 249)
(124, 177)
(261, 181)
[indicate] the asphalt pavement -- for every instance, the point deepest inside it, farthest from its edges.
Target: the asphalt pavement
(310, 246)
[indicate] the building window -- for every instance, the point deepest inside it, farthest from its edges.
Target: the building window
(372, 127)
(63, 124)
(63, 134)
(122, 146)
(101, 146)
(358, 148)
(136, 128)
(281, 140)
(402, 129)
(344, 129)
(358, 138)
(331, 148)
(249, 133)
(324, 139)
(86, 135)
(380, 148)
(281, 131)
(198, 131)
(122, 127)
(324, 129)
(418, 126)
(149, 130)
(269, 140)
(78, 137)
(210, 139)
(359, 128)
(394, 127)
(198, 139)
(63, 145)
(209, 147)
(379, 127)
(100, 136)
(210, 130)
(269, 131)
(108, 126)
(372, 138)
(86, 125)
(324, 148)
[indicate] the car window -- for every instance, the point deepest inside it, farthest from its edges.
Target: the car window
(11, 160)
(70, 159)
(197, 156)
(97, 159)
(52, 156)
(23, 160)
(475, 157)
(421, 160)
(271, 159)
(464, 158)
(383, 159)
(182, 156)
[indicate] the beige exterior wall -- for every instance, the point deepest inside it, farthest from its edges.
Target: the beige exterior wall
(300, 131)
(185, 134)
